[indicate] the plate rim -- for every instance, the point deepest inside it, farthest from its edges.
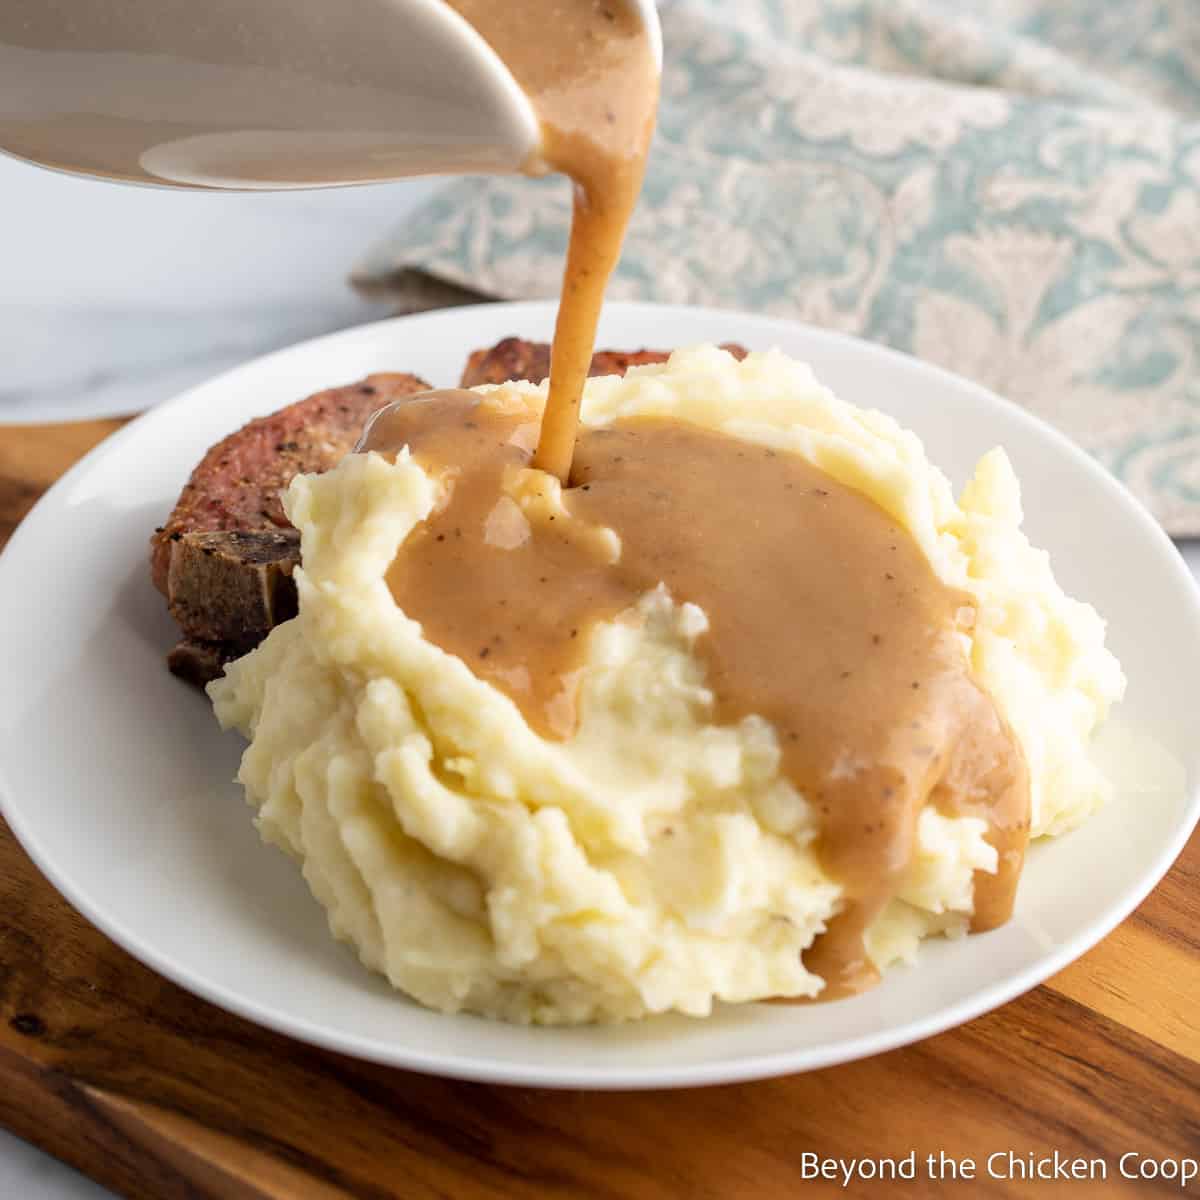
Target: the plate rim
(726, 1070)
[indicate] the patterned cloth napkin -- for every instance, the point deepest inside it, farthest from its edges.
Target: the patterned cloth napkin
(1010, 188)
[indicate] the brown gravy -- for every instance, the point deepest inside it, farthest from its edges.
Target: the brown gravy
(589, 70)
(825, 619)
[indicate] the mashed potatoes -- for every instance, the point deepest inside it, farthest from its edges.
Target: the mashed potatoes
(654, 861)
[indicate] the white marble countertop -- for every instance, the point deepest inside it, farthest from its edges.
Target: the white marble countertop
(113, 298)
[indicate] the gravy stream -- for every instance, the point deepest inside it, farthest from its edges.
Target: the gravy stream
(589, 71)
(825, 619)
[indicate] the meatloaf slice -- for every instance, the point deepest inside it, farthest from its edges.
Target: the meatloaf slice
(514, 358)
(225, 556)
(198, 662)
(232, 586)
(237, 484)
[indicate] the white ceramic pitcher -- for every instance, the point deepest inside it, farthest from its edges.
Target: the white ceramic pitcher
(262, 94)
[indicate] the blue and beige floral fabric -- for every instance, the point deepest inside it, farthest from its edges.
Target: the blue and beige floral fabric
(1010, 188)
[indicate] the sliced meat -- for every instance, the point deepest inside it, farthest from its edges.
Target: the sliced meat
(232, 586)
(514, 358)
(199, 663)
(224, 558)
(238, 483)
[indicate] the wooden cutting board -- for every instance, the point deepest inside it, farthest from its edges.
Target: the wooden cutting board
(162, 1096)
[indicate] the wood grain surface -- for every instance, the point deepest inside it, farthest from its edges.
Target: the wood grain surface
(162, 1096)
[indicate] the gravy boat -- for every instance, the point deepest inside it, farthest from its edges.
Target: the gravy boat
(261, 94)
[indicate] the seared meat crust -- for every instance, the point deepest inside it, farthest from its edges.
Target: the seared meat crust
(514, 358)
(237, 484)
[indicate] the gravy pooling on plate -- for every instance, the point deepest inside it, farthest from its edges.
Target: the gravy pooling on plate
(825, 619)
(589, 69)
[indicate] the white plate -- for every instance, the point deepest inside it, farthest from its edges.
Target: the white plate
(117, 782)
